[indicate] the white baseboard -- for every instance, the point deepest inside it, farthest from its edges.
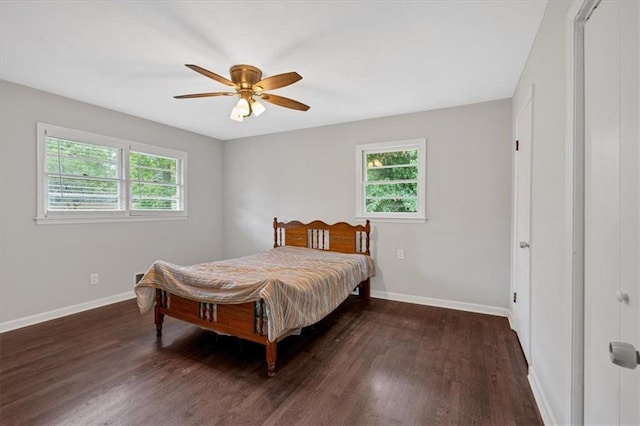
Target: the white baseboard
(450, 304)
(510, 318)
(543, 404)
(61, 312)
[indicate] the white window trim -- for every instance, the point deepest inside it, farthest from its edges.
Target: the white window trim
(44, 217)
(361, 150)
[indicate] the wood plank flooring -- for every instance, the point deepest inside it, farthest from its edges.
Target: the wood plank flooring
(371, 363)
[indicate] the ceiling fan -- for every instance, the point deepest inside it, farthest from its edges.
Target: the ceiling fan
(247, 82)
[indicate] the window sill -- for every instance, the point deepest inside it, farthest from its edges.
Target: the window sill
(393, 219)
(78, 220)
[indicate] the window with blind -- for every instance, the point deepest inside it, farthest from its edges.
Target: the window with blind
(85, 176)
(391, 180)
(81, 176)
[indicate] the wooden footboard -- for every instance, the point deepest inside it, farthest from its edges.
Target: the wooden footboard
(237, 320)
(241, 320)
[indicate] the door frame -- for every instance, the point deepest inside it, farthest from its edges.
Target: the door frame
(578, 14)
(528, 99)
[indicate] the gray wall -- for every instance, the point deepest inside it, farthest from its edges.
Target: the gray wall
(550, 364)
(460, 254)
(47, 267)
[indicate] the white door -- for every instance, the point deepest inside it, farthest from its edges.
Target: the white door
(521, 296)
(612, 216)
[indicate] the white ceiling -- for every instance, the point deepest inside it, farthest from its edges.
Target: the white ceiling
(358, 59)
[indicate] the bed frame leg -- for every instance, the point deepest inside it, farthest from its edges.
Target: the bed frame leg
(159, 317)
(365, 290)
(272, 355)
(159, 321)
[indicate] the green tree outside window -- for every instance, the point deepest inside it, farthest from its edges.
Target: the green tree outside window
(391, 183)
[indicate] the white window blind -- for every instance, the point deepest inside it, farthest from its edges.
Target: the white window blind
(82, 176)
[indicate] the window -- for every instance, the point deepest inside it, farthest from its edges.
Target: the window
(391, 180)
(81, 176)
(88, 177)
(154, 182)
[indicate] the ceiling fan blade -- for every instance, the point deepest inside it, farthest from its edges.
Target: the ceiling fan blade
(204, 95)
(212, 75)
(278, 81)
(284, 102)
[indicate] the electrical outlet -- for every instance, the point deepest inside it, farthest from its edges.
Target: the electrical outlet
(400, 254)
(94, 279)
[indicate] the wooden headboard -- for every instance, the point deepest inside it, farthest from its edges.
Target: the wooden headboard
(341, 237)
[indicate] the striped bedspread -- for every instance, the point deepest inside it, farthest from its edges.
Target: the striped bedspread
(300, 286)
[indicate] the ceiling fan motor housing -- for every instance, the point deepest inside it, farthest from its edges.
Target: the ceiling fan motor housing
(245, 76)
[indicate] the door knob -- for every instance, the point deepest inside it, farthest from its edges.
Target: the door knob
(524, 244)
(624, 354)
(622, 297)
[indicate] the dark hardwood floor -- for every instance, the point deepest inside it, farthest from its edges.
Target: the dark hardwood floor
(377, 362)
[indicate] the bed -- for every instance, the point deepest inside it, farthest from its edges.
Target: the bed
(311, 269)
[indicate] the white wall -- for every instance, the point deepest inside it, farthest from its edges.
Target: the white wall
(46, 267)
(460, 254)
(550, 364)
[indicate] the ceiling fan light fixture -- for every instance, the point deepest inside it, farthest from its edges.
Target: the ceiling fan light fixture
(257, 107)
(242, 107)
(235, 115)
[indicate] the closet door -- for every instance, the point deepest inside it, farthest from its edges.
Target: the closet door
(612, 216)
